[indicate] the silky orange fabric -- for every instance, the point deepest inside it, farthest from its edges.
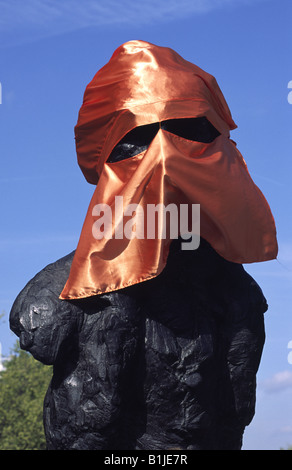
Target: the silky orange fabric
(143, 84)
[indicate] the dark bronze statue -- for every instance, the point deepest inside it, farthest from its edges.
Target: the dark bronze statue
(168, 363)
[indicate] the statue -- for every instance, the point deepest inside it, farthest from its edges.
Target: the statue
(154, 346)
(169, 363)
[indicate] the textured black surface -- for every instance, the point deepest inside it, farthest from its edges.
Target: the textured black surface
(169, 363)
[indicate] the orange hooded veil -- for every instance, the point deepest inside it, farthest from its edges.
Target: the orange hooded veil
(144, 84)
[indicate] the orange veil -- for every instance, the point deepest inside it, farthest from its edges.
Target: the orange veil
(144, 84)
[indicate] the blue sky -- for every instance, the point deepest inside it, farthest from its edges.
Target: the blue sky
(50, 50)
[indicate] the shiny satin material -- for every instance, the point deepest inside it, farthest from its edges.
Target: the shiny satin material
(144, 84)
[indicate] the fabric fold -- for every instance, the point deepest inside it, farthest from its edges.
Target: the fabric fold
(121, 242)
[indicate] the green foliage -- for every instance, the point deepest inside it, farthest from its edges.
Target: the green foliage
(23, 386)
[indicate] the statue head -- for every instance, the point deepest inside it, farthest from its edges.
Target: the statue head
(154, 130)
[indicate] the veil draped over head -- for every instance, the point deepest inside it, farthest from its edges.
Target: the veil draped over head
(153, 90)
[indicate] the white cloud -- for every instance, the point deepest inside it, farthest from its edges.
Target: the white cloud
(56, 16)
(280, 381)
(30, 20)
